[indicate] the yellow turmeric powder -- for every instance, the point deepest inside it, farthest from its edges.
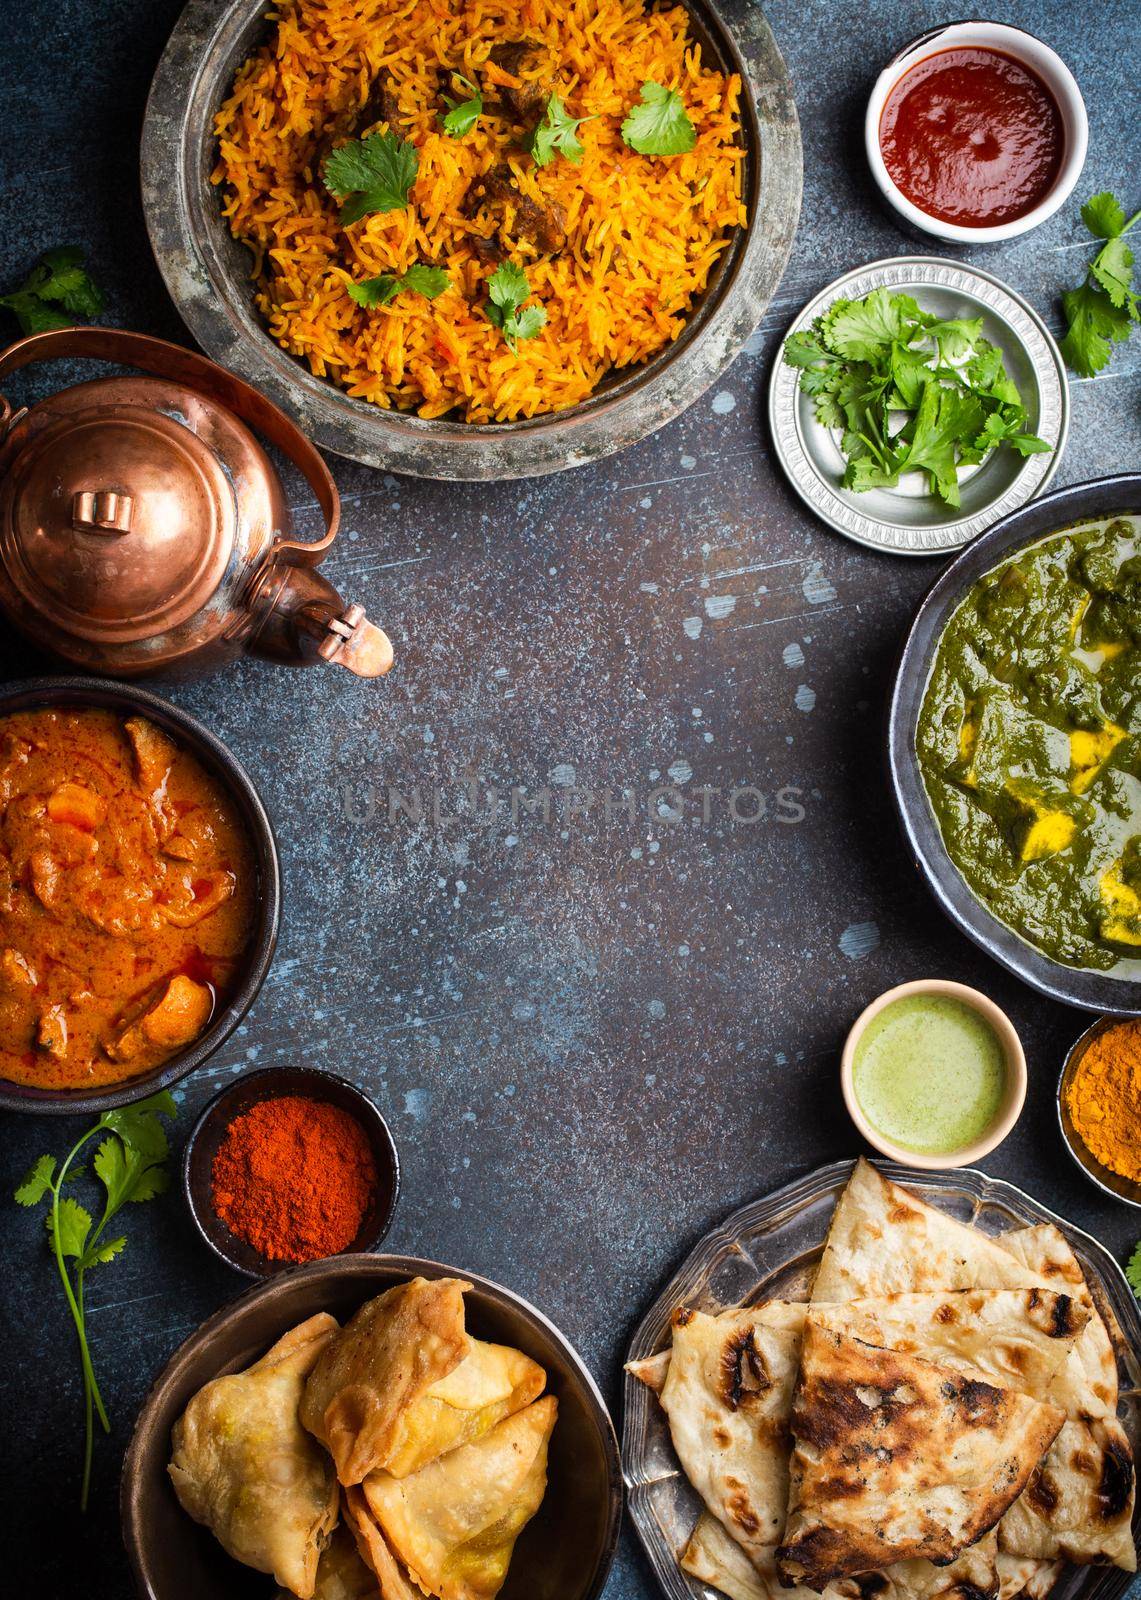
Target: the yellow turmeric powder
(1104, 1098)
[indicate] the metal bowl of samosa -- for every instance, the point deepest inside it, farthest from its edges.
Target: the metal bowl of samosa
(564, 1551)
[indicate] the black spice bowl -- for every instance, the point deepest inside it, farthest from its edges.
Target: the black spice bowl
(238, 1097)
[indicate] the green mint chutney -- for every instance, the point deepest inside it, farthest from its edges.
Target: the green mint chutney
(929, 1073)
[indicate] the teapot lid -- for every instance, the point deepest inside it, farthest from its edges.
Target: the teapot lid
(118, 520)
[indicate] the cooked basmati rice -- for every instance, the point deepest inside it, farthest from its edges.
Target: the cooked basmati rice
(643, 232)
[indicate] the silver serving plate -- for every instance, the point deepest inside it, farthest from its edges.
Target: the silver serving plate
(768, 1250)
(908, 520)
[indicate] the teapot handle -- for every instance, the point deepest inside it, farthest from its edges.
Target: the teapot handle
(164, 360)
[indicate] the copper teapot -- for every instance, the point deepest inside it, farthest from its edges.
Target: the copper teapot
(143, 527)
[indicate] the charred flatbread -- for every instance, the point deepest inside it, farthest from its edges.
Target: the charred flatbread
(896, 1458)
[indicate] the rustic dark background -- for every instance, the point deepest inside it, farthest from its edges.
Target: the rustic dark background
(592, 1038)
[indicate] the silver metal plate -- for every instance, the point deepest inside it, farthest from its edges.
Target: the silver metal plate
(908, 520)
(769, 1249)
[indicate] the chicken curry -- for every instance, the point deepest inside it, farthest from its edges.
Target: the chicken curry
(1029, 742)
(126, 897)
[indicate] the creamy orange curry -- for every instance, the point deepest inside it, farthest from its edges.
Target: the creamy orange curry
(127, 885)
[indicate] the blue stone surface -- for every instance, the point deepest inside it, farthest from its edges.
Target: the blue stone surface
(595, 1035)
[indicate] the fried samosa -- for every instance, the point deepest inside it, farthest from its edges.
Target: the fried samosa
(243, 1465)
(895, 1458)
(403, 1382)
(342, 1573)
(390, 1578)
(452, 1525)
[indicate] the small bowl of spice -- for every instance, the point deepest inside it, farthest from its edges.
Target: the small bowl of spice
(976, 132)
(933, 1074)
(1099, 1106)
(289, 1165)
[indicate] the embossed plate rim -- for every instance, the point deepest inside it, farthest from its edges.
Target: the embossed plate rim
(644, 1429)
(841, 509)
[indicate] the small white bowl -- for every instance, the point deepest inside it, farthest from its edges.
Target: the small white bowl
(1012, 1101)
(1032, 53)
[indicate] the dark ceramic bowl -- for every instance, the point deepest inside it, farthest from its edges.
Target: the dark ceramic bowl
(565, 1551)
(101, 694)
(1108, 1181)
(247, 1091)
(1095, 991)
(208, 273)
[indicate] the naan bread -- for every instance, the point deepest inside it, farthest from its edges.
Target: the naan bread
(1019, 1576)
(728, 1397)
(243, 1465)
(453, 1524)
(896, 1458)
(884, 1240)
(713, 1557)
(403, 1382)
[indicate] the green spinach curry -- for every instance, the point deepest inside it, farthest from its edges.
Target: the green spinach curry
(1029, 742)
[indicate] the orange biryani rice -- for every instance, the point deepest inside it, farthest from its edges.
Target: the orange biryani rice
(642, 232)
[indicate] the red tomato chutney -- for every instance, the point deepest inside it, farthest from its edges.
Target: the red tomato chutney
(973, 137)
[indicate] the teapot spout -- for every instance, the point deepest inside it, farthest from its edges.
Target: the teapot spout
(308, 622)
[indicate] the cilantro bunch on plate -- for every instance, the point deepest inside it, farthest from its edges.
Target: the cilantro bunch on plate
(908, 392)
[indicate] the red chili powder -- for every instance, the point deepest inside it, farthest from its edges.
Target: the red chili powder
(293, 1177)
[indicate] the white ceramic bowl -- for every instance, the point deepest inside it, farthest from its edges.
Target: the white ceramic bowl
(1013, 1098)
(1031, 52)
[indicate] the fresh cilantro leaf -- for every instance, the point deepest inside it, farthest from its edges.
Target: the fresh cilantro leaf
(70, 1235)
(944, 417)
(1133, 1271)
(556, 134)
(372, 175)
(1094, 324)
(658, 124)
(1113, 269)
(1103, 216)
(58, 280)
(1099, 313)
(129, 1164)
(955, 339)
(100, 1254)
(507, 290)
(864, 329)
(37, 1181)
(428, 281)
(805, 348)
(462, 115)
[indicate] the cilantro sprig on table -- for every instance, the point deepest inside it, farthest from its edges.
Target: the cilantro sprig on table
(130, 1165)
(419, 279)
(867, 362)
(462, 115)
(556, 134)
(659, 125)
(507, 290)
(1103, 309)
(56, 293)
(1133, 1271)
(371, 175)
